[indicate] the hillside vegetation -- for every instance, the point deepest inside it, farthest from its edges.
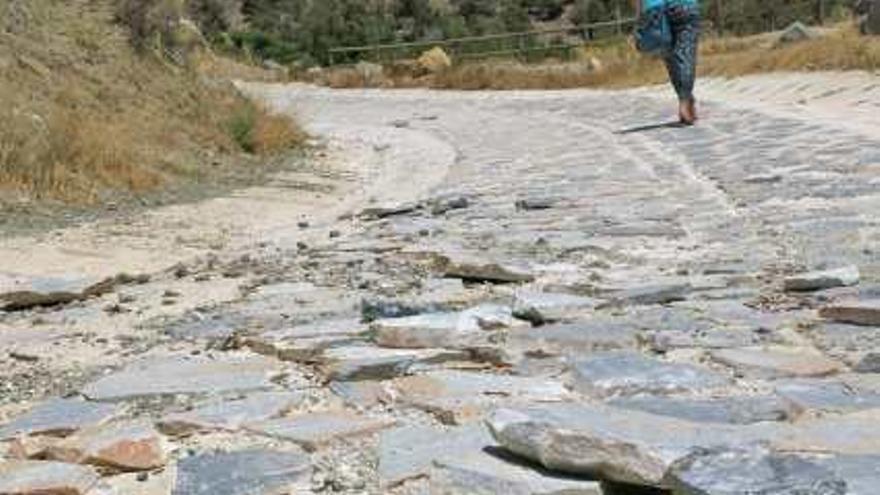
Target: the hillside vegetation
(93, 106)
(302, 31)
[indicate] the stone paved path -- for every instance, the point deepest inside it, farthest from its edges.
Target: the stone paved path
(549, 294)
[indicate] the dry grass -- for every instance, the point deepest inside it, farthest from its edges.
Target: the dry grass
(82, 116)
(841, 48)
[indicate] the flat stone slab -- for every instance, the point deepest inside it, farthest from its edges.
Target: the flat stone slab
(627, 373)
(850, 434)
(458, 397)
(409, 452)
(134, 446)
(732, 410)
(356, 363)
(476, 269)
(487, 473)
(861, 472)
(361, 394)
(46, 478)
(245, 472)
(610, 443)
(542, 307)
(59, 417)
(777, 362)
(839, 277)
(231, 415)
(650, 294)
(826, 395)
(857, 312)
(184, 375)
(317, 430)
(440, 330)
(730, 472)
(573, 339)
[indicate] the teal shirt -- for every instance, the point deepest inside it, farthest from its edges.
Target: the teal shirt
(651, 4)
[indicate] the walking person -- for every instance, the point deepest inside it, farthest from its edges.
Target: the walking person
(681, 57)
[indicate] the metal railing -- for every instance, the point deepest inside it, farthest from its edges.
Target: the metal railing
(523, 44)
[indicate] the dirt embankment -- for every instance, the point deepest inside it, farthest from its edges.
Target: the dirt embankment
(86, 119)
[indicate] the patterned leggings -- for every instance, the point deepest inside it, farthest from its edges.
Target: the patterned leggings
(682, 62)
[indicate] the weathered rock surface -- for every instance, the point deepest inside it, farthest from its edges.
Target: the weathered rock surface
(609, 443)
(542, 307)
(491, 473)
(316, 430)
(827, 279)
(242, 473)
(409, 452)
(458, 397)
(734, 410)
(778, 362)
(473, 268)
(59, 417)
(45, 478)
(650, 294)
(722, 471)
(231, 415)
(133, 446)
(861, 472)
(355, 363)
(439, 330)
(190, 375)
(576, 338)
(858, 312)
(627, 373)
(826, 395)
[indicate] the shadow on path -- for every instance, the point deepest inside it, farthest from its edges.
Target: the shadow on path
(652, 127)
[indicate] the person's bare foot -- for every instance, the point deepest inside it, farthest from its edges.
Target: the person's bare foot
(687, 112)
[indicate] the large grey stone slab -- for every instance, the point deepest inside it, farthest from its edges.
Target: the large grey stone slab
(231, 415)
(184, 375)
(45, 478)
(247, 472)
(409, 452)
(628, 373)
(576, 338)
(777, 362)
(316, 430)
(610, 443)
(735, 472)
(59, 417)
(442, 330)
(852, 434)
(458, 397)
(861, 472)
(491, 473)
(542, 307)
(826, 395)
(355, 363)
(826, 279)
(856, 312)
(733, 410)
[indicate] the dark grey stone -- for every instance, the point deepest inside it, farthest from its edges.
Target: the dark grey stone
(650, 294)
(59, 417)
(628, 373)
(409, 452)
(246, 472)
(577, 338)
(737, 472)
(734, 410)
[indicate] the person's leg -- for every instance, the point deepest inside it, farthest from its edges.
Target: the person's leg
(682, 61)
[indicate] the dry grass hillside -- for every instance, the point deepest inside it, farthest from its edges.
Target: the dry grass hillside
(83, 115)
